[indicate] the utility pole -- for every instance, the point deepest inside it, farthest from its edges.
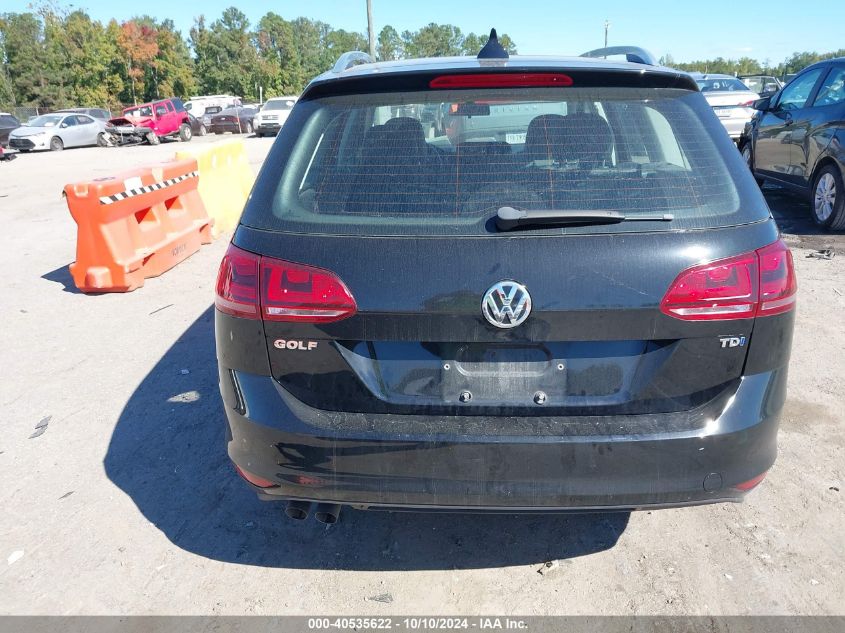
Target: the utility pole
(606, 26)
(371, 31)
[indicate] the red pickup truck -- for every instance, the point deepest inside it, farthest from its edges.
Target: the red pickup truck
(151, 122)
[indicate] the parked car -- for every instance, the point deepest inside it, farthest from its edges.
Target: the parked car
(236, 120)
(151, 122)
(8, 123)
(197, 126)
(210, 111)
(597, 318)
(730, 99)
(797, 139)
(272, 115)
(763, 85)
(57, 131)
(198, 106)
(97, 113)
(499, 122)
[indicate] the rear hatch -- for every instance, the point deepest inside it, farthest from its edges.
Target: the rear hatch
(372, 247)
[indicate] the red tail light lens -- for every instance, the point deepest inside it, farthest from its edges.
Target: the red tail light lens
(255, 480)
(761, 282)
(237, 284)
(501, 80)
(745, 486)
(778, 286)
(295, 292)
(288, 291)
(724, 289)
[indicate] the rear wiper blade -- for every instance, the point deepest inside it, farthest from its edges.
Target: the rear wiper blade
(508, 218)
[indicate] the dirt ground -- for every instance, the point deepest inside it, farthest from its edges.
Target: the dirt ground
(127, 503)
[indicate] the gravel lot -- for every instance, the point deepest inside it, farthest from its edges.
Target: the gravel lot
(127, 504)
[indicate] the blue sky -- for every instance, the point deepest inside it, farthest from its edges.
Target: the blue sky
(687, 30)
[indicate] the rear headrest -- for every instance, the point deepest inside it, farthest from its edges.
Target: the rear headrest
(405, 131)
(581, 136)
(544, 137)
(589, 139)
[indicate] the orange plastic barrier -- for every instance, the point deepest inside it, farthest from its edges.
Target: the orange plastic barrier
(136, 225)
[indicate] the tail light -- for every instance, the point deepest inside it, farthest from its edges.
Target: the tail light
(747, 103)
(254, 479)
(778, 285)
(759, 283)
(237, 284)
(745, 486)
(256, 287)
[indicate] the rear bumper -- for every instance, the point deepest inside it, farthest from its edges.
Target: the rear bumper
(734, 126)
(388, 461)
(227, 127)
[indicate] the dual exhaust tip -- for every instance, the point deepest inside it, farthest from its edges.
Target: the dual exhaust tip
(327, 513)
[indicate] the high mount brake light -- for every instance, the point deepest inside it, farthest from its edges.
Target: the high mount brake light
(501, 80)
(256, 287)
(759, 283)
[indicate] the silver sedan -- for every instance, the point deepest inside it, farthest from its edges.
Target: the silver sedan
(730, 99)
(57, 131)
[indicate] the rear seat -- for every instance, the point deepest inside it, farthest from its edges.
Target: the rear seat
(409, 171)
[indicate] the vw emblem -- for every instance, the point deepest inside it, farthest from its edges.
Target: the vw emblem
(506, 304)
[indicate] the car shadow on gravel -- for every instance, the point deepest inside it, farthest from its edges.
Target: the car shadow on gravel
(168, 453)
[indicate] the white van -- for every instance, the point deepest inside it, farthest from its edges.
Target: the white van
(197, 105)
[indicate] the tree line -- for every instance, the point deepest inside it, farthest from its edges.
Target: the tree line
(52, 57)
(750, 66)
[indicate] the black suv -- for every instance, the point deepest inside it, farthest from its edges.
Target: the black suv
(797, 139)
(586, 308)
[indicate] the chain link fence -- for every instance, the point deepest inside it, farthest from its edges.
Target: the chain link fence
(24, 113)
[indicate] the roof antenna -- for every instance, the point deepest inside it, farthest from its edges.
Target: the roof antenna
(492, 49)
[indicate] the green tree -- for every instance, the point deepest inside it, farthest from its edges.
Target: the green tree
(339, 42)
(389, 44)
(433, 40)
(473, 43)
(25, 57)
(310, 41)
(279, 68)
(84, 44)
(226, 58)
(173, 68)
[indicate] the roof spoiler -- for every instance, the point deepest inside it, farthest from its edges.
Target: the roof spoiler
(350, 59)
(633, 54)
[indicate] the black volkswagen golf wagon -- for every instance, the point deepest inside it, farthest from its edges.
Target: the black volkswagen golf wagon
(569, 295)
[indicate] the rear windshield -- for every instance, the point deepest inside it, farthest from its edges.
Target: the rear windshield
(721, 84)
(444, 162)
(278, 105)
(145, 110)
